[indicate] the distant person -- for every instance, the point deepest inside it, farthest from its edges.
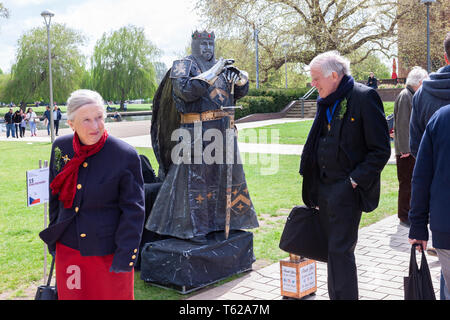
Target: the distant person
(31, 119)
(56, 118)
(117, 116)
(372, 81)
(23, 124)
(17, 118)
(96, 206)
(431, 191)
(10, 129)
(47, 118)
(405, 162)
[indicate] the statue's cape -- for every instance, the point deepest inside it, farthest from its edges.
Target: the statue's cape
(165, 119)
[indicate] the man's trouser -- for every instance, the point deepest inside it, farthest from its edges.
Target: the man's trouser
(340, 216)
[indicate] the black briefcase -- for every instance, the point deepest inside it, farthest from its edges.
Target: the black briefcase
(303, 234)
(46, 291)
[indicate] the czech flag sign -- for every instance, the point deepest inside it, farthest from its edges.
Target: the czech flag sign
(37, 186)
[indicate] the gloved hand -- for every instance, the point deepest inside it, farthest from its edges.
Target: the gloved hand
(234, 75)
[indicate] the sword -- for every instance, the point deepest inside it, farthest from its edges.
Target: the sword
(229, 162)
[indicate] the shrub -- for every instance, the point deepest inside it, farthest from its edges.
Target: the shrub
(269, 100)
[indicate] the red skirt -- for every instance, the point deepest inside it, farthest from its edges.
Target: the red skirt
(89, 278)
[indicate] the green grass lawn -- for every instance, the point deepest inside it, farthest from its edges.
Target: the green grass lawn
(21, 250)
(287, 133)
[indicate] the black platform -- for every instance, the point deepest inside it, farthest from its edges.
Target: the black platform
(185, 266)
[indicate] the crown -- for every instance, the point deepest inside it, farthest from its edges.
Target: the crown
(203, 35)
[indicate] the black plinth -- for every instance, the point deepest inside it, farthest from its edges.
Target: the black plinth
(186, 266)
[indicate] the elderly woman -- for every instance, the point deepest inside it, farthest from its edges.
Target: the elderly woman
(96, 206)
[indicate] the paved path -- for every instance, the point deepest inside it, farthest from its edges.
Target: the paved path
(382, 258)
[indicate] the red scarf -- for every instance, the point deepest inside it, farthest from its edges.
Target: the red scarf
(65, 181)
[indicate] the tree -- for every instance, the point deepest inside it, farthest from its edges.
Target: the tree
(4, 12)
(161, 70)
(122, 66)
(361, 70)
(310, 26)
(412, 35)
(29, 74)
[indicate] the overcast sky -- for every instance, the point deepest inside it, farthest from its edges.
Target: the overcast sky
(167, 23)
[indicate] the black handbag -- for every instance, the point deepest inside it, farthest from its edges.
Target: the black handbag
(46, 291)
(303, 234)
(418, 285)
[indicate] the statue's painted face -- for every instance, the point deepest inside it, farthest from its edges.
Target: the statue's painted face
(207, 49)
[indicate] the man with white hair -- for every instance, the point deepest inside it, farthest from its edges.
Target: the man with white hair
(346, 150)
(405, 161)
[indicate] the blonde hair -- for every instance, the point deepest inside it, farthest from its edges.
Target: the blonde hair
(83, 97)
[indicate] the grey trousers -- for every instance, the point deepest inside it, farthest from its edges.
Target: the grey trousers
(444, 259)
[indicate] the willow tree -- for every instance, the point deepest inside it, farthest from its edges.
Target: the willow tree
(122, 65)
(4, 12)
(309, 27)
(29, 74)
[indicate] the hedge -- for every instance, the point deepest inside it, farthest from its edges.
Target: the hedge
(269, 100)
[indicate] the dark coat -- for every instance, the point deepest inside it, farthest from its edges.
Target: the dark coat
(372, 82)
(363, 148)
(108, 212)
(9, 118)
(58, 115)
(47, 114)
(430, 198)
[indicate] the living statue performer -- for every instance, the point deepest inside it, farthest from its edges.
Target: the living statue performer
(197, 96)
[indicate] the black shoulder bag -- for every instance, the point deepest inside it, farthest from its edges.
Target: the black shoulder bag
(418, 285)
(46, 291)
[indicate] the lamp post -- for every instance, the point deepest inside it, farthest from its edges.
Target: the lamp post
(285, 46)
(47, 15)
(256, 54)
(428, 3)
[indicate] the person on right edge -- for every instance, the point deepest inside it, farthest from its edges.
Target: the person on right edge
(433, 94)
(430, 197)
(405, 162)
(341, 163)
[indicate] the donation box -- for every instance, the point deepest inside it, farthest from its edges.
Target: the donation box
(298, 276)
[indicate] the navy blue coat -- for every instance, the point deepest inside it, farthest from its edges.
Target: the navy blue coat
(108, 211)
(430, 192)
